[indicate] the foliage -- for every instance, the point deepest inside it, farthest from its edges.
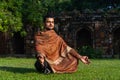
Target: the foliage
(10, 15)
(33, 12)
(91, 52)
(23, 69)
(16, 14)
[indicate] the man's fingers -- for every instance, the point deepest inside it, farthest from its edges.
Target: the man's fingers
(87, 59)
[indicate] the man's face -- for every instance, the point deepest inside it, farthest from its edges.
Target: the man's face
(49, 23)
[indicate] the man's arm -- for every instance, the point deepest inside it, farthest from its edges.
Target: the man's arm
(84, 59)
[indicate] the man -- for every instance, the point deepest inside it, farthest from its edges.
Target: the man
(53, 54)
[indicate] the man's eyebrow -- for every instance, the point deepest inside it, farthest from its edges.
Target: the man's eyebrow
(49, 21)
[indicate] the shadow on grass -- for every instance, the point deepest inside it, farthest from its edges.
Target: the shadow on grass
(17, 69)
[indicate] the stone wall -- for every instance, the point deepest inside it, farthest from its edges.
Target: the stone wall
(101, 29)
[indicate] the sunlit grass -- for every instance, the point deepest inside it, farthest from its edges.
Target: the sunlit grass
(23, 69)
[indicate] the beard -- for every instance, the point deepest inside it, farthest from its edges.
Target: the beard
(47, 28)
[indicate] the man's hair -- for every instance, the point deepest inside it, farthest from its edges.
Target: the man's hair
(48, 15)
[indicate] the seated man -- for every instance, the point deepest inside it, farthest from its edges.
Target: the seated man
(54, 55)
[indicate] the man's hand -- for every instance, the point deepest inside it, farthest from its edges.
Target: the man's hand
(85, 59)
(40, 58)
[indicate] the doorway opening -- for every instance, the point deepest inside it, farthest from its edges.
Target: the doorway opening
(18, 43)
(83, 38)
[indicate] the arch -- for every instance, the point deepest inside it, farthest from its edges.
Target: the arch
(83, 37)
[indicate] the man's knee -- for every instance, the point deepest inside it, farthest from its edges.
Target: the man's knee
(43, 69)
(39, 66)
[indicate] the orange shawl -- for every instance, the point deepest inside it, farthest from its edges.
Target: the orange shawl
(56, 52)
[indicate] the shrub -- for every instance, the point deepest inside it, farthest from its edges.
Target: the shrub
(91, 52)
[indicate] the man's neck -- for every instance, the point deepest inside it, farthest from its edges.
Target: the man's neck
(47, 29)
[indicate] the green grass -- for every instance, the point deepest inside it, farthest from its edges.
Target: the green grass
(23, 69)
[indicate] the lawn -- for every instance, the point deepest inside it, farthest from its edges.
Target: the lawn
(23, 69)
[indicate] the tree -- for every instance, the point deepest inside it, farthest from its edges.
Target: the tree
(10, 15)
(34, 10)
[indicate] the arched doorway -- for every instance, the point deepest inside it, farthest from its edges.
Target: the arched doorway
(116, 41)
(83, 38)
(18, 43)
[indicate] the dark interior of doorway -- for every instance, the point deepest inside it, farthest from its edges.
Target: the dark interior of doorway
(116, 41)
(18, 43)
(83, 38)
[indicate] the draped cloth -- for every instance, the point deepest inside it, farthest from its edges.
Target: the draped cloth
(56, 52)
